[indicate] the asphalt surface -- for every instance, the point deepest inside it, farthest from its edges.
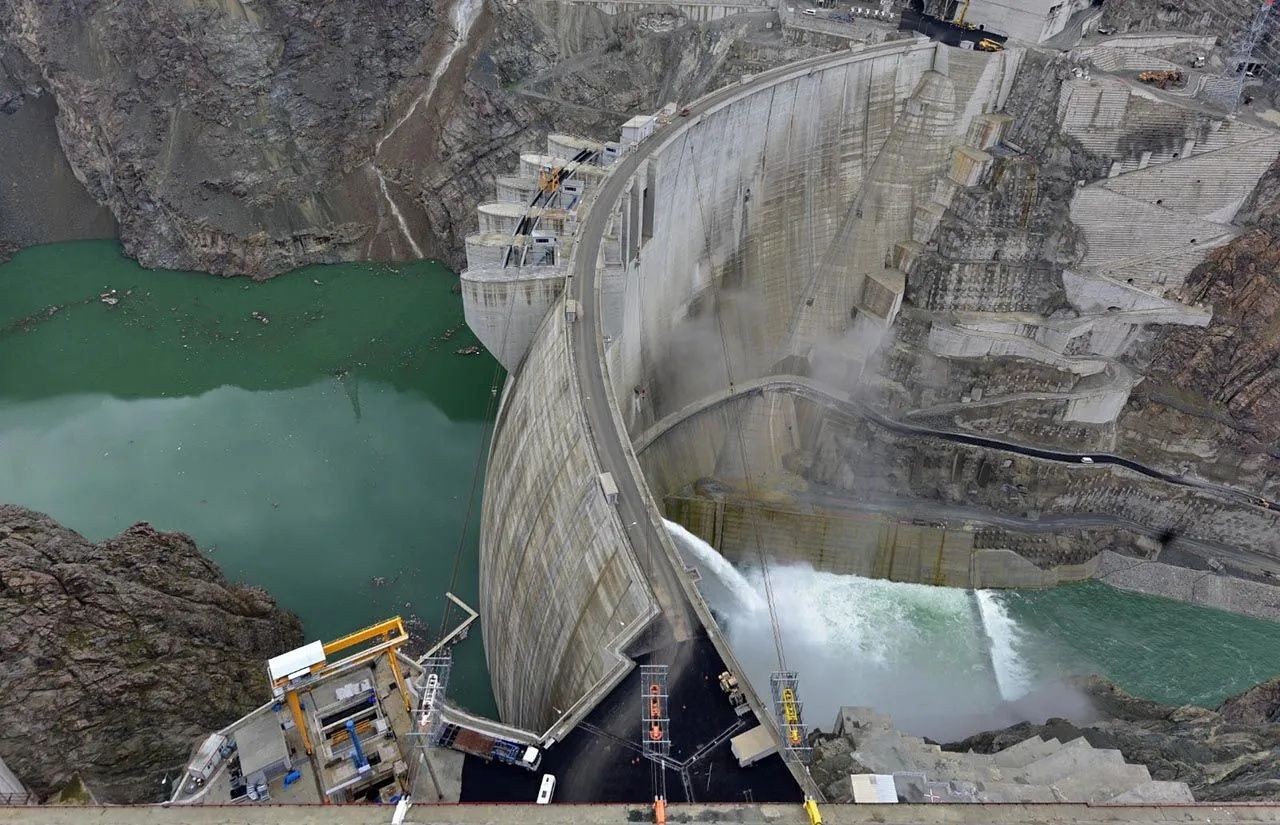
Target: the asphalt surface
(602, 760)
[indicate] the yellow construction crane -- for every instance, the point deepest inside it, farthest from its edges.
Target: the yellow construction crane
(963, 11)
(549, 178)
(811, 808)
(297, 669)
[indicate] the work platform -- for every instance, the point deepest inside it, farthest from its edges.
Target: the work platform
(602, 759)
(1050, 814)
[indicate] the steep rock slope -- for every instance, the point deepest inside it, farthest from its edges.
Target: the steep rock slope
(1223, 383)
(115, 656)
(1232, 753)
(252, 137)
(223, 136)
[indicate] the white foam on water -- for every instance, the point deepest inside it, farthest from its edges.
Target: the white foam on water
(921, 654)
(1014, 676)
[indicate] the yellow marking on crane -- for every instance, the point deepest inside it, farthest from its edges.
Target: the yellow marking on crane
(791, 716)
(295, 708)
(380, 630)
(389, 636)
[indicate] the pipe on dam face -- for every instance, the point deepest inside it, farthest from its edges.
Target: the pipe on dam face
(719, 220)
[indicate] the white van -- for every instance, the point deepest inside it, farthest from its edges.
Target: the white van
(547, 789)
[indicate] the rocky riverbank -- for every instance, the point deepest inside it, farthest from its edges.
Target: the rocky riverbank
(1228, 754)
(117, 655)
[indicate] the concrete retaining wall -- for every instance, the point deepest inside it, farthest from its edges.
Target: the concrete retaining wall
(873, 546)
(560, 594)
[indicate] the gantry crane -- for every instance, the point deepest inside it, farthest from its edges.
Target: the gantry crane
(297, 669)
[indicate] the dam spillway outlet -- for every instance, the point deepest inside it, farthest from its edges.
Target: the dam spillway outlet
(942, 662)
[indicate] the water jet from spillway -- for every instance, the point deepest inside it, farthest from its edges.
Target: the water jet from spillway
(939, 664)
(1013, 675)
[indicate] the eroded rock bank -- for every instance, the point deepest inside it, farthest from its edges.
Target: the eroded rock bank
(1231, 753)
(117, 655)
(251, 138)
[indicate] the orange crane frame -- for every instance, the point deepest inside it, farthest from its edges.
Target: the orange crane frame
(390, 635)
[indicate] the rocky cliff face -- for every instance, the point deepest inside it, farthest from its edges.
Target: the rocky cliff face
(116, 656)
(1232, 753)
(245, 137)
(1222, 384)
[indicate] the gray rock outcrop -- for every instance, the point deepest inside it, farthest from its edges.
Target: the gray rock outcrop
(1232, 753)
(116, 656)
(253, 137)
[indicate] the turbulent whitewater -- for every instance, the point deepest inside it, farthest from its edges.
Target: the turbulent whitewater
(941, 661)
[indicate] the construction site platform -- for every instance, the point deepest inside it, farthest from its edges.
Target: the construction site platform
(940, 814)
(602, 759)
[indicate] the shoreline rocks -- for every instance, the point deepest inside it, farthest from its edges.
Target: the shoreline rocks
(115, 656)
(1231, 753)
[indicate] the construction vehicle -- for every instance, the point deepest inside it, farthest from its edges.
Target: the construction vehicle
(986, 44)
(547, 789)
(811, 808)
(1162, 79)
(737, 699)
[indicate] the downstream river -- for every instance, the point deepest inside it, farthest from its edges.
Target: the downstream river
(322, 448)
(318, 435)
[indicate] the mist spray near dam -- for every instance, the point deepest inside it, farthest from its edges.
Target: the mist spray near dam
(943, 662)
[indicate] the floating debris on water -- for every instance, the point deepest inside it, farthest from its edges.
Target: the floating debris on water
(471, 350)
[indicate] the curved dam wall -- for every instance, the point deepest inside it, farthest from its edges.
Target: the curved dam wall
(771, 250)
(756, 237)
(560, 592)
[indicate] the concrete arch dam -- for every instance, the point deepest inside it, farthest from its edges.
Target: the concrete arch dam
(764, 233)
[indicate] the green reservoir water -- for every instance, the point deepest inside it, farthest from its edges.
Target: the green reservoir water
(310, 454)
(336, 444)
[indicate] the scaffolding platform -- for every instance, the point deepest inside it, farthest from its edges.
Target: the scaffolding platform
(784, 686)
(655, 733)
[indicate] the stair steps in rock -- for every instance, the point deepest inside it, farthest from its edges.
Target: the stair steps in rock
(1154, 792)
(1025, 752)
(1075, 757)
(1101, 782)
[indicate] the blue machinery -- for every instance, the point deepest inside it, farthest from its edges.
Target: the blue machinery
(357, 756)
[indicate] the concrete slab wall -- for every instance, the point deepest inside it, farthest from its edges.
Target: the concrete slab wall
(774, 208)
(869, 545)
(560, 594)
(505, 306)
